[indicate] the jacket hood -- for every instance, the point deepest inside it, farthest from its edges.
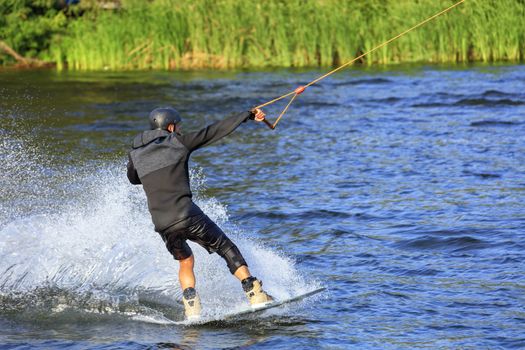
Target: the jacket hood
(148, 136)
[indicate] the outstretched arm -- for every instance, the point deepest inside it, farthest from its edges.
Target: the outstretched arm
(214, 132)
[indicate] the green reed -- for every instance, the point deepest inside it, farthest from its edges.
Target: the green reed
(177, 34)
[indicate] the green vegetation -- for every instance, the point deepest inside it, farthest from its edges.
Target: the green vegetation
(28, 26)
(192, 34)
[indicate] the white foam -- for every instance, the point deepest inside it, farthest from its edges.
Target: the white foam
(95, 236)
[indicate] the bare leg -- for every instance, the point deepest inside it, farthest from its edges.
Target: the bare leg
(242, 273)
(186, 275)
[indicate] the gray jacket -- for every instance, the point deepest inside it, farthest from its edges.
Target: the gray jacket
(159, 161)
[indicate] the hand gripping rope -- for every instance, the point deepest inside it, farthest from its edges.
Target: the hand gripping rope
(301, 89)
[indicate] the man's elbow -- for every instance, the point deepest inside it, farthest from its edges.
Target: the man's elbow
(134, 179)
(135, 182)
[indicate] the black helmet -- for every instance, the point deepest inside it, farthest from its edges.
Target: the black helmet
(160, 118)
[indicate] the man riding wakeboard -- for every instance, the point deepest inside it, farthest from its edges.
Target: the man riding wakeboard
(159, 161)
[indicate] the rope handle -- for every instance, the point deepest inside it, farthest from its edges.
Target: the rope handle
(299, 90)
(268, 124)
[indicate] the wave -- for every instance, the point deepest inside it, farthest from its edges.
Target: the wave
(497, 93)
(488, 102)
(320, 213)
(471, 102)
(491, 122)
(453, 244)
(367, 81)
(482, 175)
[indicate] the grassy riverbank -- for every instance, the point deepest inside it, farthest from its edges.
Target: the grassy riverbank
(169, 34)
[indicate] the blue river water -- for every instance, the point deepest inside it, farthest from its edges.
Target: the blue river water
(401, 190)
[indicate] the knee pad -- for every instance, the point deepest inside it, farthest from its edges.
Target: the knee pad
(233, 257)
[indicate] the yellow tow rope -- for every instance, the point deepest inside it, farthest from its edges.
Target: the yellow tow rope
(300, 89)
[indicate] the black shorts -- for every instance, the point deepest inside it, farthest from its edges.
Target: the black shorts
(203, 231)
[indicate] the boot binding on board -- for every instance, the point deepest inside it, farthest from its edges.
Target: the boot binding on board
(192, 303)
(254, 292)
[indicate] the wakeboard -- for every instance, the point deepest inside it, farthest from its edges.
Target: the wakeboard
(253, 310)
(273, 304)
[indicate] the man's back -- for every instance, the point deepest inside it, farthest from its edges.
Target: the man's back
(161, 163)
(159, 160)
